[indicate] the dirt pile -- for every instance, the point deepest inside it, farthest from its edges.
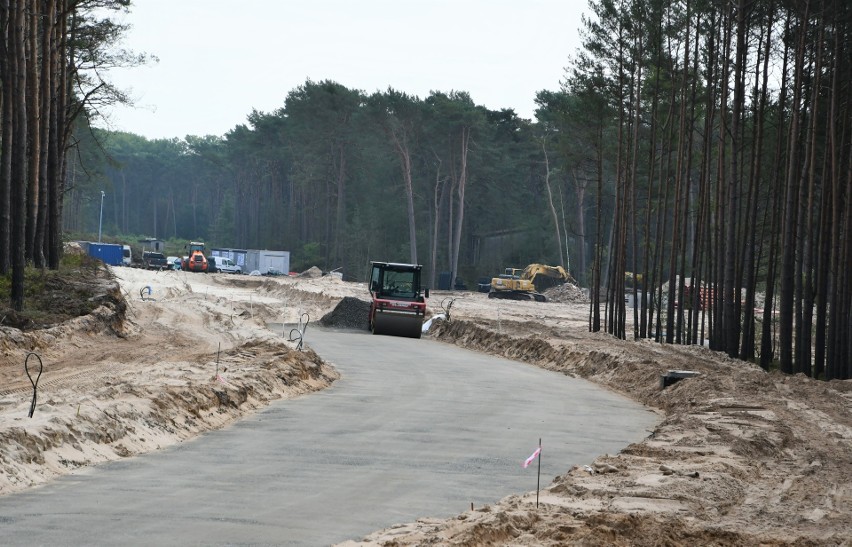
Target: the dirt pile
(312, 273)
(567, 292)
(350, 313)
(80, 286)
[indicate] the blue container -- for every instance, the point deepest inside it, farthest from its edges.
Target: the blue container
(107, 252)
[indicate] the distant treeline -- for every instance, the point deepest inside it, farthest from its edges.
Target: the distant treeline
(340, 178)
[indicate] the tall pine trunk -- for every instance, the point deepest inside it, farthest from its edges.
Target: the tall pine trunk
(19, 153)
(791, 207)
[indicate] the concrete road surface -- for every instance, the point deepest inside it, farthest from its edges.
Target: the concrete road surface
(414, 428)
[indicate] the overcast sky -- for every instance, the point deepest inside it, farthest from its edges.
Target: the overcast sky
(219, 59)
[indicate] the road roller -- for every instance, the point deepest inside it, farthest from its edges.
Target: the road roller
(398, 305)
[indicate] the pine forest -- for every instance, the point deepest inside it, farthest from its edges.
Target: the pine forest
(693, 171)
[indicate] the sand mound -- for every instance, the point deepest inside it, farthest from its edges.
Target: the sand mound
(350, 313)
(74, 248)
(313, 272)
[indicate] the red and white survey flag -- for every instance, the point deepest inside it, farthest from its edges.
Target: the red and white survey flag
(532, 457)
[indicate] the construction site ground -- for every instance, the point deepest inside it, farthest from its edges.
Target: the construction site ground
(740, 456)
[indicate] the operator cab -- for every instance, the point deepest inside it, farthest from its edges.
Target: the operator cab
(396, 281)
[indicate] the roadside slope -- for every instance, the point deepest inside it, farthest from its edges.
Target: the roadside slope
(139, 375)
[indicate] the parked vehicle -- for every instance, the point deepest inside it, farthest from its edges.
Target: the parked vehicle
(173, 262)
(154, 261)
(226, 265)
(250, 260)
(265, 260)
(127, 255)
(483, 284)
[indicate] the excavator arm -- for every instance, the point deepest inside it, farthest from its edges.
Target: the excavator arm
(544, 276)
(557, 272)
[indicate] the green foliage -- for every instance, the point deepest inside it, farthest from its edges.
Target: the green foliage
(223, 226)
(52, 296)
(310, 255)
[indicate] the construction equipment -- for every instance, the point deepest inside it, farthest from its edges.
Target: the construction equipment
(511, 286)
(544, 277)
(398, 306)
(195, 261)
(529, 283)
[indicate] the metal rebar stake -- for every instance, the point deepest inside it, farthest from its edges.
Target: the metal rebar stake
(33, 382)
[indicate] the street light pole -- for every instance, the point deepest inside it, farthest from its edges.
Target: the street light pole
(101, 219)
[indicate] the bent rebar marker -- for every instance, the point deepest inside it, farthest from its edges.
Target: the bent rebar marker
(33, 382)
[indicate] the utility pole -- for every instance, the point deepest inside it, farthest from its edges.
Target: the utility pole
(101, 218)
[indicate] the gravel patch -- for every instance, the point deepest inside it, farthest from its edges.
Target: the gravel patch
(567, 292)
(351, 312)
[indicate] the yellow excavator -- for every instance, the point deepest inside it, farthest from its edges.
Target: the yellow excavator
(529, 283)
